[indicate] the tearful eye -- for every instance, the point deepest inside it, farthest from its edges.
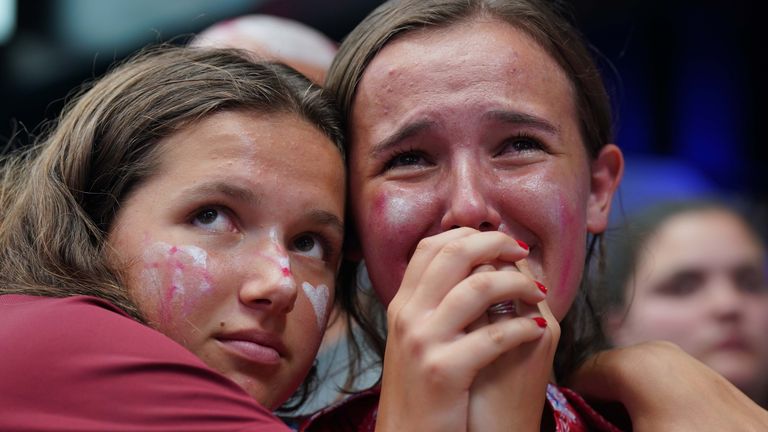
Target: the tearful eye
(521, 144)
(213, 219)
(404, 159)
(308, 245)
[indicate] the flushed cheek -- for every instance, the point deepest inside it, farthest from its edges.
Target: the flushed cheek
(553, 216)
(175, 280)
(571, 242)
(391, 227)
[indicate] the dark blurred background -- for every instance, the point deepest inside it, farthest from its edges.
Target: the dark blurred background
(688, 77)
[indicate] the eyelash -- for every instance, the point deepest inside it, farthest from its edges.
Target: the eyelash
(392, 160)
(329, 250)
(221, 211)
(520, 136)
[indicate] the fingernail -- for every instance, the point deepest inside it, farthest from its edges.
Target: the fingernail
(523, 244)
(541, 286)
(541, 322)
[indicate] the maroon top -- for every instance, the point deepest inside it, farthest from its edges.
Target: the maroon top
(570, 413)
(79, 363)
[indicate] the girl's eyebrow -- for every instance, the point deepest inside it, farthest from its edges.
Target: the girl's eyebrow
(401, 134)
(326, 218)
(226, 188)
(522, 119)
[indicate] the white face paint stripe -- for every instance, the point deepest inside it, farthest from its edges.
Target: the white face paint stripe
(318, 296)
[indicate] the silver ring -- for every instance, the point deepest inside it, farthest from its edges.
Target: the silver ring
(503, 308)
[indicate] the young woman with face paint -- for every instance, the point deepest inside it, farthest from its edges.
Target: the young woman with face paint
(168, 253)
(481, 176)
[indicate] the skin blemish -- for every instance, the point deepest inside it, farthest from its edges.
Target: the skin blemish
(318, 296)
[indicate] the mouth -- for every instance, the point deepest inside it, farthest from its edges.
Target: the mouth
(733, 344)
(253, 347)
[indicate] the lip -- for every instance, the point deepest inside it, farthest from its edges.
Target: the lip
(733, 344)
(253, 346)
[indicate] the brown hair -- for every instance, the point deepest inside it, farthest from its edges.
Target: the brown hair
(59, 197)
(560, 39)
(630, 241)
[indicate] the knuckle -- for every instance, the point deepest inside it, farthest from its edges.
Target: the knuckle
(479, 283)
(416, 342)
(425, 244)
(495, 334)
(453, 248)
(436, 370)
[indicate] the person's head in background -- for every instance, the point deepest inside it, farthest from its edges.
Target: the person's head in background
(200, 192)
(273, 38)
(694, 273)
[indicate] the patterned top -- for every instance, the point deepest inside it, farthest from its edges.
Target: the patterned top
(358, 414)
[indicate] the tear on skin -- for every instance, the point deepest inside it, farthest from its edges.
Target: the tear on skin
(318, 296)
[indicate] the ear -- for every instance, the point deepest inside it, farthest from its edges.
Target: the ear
(607, 169)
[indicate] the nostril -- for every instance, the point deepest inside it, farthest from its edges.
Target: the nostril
(454, 227)
(486, 226)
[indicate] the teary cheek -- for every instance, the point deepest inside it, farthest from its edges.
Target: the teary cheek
(566, 254)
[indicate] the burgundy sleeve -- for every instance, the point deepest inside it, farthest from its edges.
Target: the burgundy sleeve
(79, 364)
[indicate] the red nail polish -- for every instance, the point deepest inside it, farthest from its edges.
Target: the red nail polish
(522, 244)
(541, 286)
(541, 322)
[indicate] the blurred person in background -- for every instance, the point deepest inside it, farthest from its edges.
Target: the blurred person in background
(694, 273)
(273, 38)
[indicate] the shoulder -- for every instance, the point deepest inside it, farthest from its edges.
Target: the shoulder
(80, 363)
(78, 325)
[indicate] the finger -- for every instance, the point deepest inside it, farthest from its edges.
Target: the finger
(472, 297)
(456, 259)
(483, 319)
(479, 348)
(425, 252)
